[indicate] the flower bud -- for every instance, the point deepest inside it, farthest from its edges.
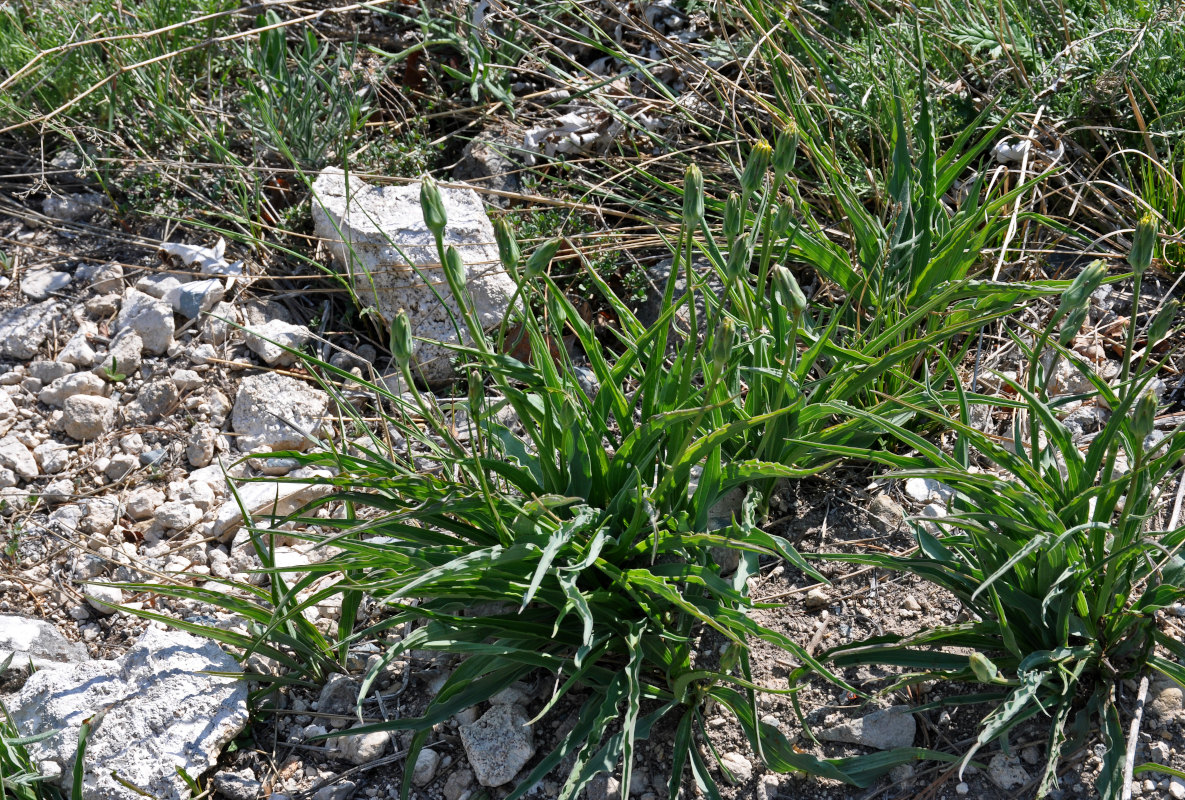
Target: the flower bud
(756, 167)
(432, 206)
(784, 216)
(1144, 415)
(739, 259)
(401, 339)
(1143, 245)
(1162, 323)
(786, 149)
(538, 262)
(454, 268)
(693, 197)
(985, 671)
(791, 293)
(722, 344)
(1083, 286)
(508, 251)
(732, 217)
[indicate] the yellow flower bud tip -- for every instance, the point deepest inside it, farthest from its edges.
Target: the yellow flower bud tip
(1143, 244)
(756, 167)
(786, 150)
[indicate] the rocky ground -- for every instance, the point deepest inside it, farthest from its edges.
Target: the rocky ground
(139, 380)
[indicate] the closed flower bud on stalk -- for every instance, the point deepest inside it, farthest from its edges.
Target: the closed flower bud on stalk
(1144, 415)
(786, 149)
(693, 197)
(790, 290)
(784, 216)
(1083, 286)
(985, 671)
(401, 339)
(454, 267)
(432, 206)
(1162, 323)
(508, 250)
(1140, 257)
(756, 167)
(541, 258)
(732, 217)
(722, 344)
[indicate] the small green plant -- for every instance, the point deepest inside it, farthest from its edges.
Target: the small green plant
(1051, 549)
(12, 542)
(489, 46)
(112, 372)
(300, 102)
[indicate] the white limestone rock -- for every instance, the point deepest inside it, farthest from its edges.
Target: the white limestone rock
(886, 729)
(199, 449)
(62, 389)
(382, 230)
(270, 498)
(48, 371)
(78, 350)
(38, 284)
(176, 515)
(163, 711)
(53, 457)
(18, 458)
(155, 399)
(269, 340)
(362, 748)
(73, 207)
(148, 316)
(143, 502)
(158, 284)
(275, 412)
(193, 298)
(103, 598)
(27, 639)
(23, 329)
(8, 413)
(87, 416)
(123, 357)
(498, 744)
